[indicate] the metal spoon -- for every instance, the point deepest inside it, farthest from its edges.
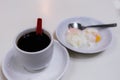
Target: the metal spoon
(79, 26)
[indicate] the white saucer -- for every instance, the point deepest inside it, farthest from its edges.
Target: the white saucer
(13, 70)
(106, 35)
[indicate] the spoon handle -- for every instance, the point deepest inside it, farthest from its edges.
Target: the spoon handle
(104, 25)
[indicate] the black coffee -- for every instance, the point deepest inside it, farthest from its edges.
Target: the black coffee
(31, 42)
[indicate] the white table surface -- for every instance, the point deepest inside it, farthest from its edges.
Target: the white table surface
(17, 15)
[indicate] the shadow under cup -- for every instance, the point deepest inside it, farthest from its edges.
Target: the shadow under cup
(34, 60)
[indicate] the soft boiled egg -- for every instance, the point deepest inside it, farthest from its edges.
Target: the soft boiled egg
(93, 32)
(83, 38)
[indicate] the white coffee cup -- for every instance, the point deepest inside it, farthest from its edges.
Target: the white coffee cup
(34, 60)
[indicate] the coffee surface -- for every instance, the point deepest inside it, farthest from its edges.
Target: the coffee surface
(31, 42)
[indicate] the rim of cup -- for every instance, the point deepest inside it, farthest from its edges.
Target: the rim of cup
(28, 31)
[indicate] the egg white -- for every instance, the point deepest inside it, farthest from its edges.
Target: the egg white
(82, 39)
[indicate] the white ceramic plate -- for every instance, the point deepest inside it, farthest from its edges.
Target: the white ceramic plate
(13, 70)
(104, 32)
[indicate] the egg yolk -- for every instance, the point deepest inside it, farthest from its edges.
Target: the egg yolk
(98, 38)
